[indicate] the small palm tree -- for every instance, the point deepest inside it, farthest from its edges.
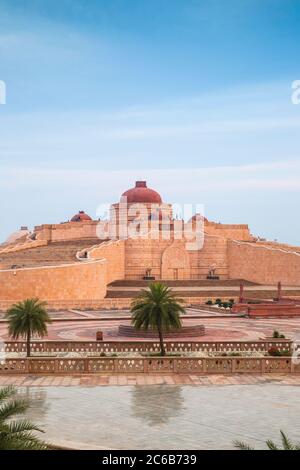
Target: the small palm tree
(158, 309)
(287, 444)
(27, 318)
(16, 435)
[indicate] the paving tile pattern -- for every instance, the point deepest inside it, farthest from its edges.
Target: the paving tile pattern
(147, 379)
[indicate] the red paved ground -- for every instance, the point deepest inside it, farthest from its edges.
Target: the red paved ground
(216, 328)
(146, 379)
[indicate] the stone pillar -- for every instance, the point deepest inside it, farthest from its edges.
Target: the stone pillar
(279, 290)
(241, 300)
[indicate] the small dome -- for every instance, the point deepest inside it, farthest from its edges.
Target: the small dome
(23, 232)
(81, 216)
(142, 194)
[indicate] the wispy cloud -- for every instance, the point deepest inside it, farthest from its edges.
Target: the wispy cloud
(283, 175)
(249, 124)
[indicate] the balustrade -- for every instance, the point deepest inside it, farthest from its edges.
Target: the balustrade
(207, 365)
(98, 347)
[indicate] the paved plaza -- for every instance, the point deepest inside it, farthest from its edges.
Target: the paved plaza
(95, 380)
(161, 411)
(75, 325)
(165, 416)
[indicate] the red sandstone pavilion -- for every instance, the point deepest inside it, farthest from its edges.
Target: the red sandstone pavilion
(69, 266)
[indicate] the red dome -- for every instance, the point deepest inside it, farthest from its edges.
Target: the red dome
(142, 194)
(80, 217)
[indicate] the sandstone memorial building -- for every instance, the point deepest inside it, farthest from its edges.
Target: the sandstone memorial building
(77, 263)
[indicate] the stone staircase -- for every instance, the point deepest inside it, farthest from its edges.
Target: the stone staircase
(228, 288)
(185, 283)
(52, 254)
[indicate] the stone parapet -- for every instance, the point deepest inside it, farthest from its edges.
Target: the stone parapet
(53, 347)
(178, 365)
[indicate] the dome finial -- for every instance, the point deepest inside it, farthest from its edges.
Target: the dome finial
(141, 194)
(141, 184)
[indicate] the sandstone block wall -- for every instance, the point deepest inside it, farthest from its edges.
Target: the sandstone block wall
(142, 254)
(230, 231)
(113, 253)
(263, 264)
(213, 254)
(23, 246)
(168, 259)
(70, 230)
(71, 282)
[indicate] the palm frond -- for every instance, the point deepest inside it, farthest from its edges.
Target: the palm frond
(158, 309)
(20, 434)
(11, 408)
(286, 442)
(271, 445)
(21, 426)
(28, 317)
(242, 445)
(7, 392)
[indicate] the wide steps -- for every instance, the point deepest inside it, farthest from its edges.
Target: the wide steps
(185, 283)
(51, 254)
(184, 332)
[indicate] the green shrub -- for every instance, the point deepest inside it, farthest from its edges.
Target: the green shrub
(209, 302)
(285, 353)
(277, 335)
(273, 351)
(218, 301)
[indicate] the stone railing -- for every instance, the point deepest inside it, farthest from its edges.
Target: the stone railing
(98, 347)
(28, 244)
(118, 303)
(217, 365)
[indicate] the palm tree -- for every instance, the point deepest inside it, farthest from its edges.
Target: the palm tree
(16, 435)
(287, 444)
(27, 318)
(158, 309)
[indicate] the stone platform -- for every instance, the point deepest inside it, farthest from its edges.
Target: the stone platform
(190, 331)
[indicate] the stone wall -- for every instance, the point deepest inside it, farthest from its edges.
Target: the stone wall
(168, 259)
(70, 230)
(142, 254)
(263, 264)
(113, 252)
(212, 255)
(108, 303)
(69, 283)
(28, 244)
(230, 231)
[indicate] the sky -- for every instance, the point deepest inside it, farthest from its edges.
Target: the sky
(193, 96)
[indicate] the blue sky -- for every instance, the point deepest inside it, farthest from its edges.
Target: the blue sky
(193, 96)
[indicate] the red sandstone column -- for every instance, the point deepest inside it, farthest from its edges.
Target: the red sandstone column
(241, 293)
(279, 295)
